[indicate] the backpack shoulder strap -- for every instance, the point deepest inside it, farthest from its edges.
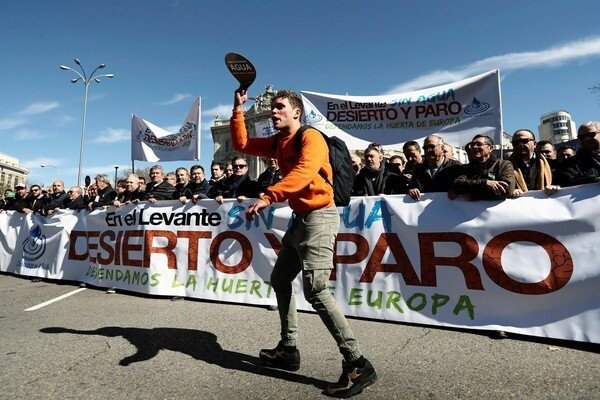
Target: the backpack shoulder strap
(298, 137)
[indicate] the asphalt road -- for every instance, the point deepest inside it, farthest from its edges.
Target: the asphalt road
(95, 345)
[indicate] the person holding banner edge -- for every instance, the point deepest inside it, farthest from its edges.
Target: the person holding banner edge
(308, 244)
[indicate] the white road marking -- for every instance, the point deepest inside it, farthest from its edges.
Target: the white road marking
(64, 296)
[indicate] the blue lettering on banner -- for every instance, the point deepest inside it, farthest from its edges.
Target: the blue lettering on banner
(379, 212)
(238, 216)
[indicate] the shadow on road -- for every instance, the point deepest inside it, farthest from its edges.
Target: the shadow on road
(198, 344)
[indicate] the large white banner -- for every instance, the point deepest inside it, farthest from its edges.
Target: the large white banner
(152, 143)
(456, 111)
(526, 265)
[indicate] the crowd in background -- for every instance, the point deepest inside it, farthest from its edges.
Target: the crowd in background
(429, 167)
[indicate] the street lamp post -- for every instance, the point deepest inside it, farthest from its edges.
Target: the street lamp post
(116, 170)
(53, 166)
(86, 80)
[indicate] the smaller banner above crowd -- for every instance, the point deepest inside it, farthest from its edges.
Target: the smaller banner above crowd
(152, 143)
(456, 111)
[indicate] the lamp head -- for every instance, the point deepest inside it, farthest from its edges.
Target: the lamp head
(64, 68)
(77, 61)
(74, 80)
(109, 76)
(101, 66)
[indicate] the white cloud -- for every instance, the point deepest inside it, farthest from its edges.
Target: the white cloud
(38, 162)
(224, 111)
(552, 57)
(10, 123)
(172, 128)
(64, 120)
(39, 108)
(111, 135)
(23, 136)
(176, 99)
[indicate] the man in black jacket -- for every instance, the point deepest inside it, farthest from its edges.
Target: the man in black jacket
(20, 200)
(132, 192)
(435, 173)
(583, 167)
(375, 179)
(58, 199)
(270, 176)
(106, 193)
(75, 200)
(200, 186)
(158, 188)
(35, 201)
(237, 186)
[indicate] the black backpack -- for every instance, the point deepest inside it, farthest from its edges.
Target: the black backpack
(341, 164)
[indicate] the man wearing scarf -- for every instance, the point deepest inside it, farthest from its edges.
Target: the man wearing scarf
(532, 171)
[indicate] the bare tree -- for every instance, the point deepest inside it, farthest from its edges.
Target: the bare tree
(596, 90)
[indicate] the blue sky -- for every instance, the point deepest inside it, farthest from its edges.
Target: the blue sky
(165, 53)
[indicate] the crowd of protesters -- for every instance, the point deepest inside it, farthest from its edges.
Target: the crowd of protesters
(529, 166)
(423, 168)
(186, 185)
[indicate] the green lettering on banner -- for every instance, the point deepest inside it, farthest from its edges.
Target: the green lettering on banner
(240, 286)
(155, 280)
(229, 287)
(439, 300)
(464, 303)
(354, 297)
(255, 289)
(421, 305)
(191, 282)
(393, 299)
(378, 300)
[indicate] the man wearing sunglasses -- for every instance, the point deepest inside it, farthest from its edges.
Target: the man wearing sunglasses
(584, 167)
(237, 186)
(35, 201)
(532, 170)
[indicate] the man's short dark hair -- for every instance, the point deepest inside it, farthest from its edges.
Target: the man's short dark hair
(239, 158)
(542, 143)
(526, 130)
(565, 147)
(293, 98)
(195, 167)
(411, 143)
(488, 140)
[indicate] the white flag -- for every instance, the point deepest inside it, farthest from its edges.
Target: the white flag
(152, 143)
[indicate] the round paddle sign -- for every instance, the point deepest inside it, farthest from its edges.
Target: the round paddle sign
(241, 69)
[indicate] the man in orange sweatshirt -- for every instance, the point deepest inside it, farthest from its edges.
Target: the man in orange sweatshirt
(308, 245)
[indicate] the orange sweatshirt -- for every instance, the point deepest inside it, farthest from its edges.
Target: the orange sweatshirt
(302, 186)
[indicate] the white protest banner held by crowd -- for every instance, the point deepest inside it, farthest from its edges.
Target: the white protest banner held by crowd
(456, 111)
(152, 143)
(525, 265)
